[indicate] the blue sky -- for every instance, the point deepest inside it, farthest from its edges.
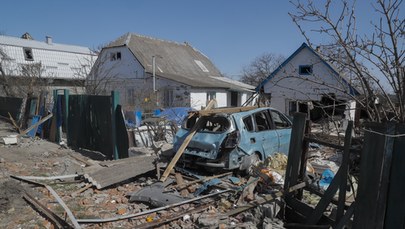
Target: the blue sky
(230, 33)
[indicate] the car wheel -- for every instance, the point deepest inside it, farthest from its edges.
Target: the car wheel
(254, 161)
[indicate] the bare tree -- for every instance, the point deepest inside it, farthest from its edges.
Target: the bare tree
(374, 60)
(260, 68)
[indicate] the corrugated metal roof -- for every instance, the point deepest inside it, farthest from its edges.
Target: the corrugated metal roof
(57, 60)
(19, 42)
(178, 61)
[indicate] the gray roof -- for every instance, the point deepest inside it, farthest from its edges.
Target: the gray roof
(178, 62)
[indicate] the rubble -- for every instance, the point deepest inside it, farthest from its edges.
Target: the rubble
(129, 193)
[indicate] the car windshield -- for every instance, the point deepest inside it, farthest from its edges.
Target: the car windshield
(215, 124)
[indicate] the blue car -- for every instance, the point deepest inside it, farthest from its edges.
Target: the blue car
(231, 141)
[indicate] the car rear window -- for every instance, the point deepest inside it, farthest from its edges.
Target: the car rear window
(209, 123)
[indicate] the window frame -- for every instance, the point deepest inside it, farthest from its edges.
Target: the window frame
(302, 72)
(28, 54)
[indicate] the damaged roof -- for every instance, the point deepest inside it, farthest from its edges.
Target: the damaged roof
(179, 62)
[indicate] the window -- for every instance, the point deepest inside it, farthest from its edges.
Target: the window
(305, 69)
(280, 121)
(201, 65)
(248, 123)
(28, 54)
(115, 56)
(262, 121)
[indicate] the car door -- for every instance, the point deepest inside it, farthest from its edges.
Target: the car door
(266, 132)
(283, 129)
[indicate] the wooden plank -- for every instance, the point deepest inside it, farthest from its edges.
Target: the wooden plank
(56, 196)
(224, 110)
(115, 97)
(266, 199)
(52, 217)
(396, 198)
(371, 192)
(295, 150)
(24, 132)
(177, 215)
(345, 171)
(152, 210)
(346, 217)
(185, 144)
(326, 199)
(185, 185)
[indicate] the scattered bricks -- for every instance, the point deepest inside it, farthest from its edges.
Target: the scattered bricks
(121, 211)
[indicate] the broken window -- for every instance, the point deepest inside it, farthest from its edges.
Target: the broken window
(279, 120)
(262, 121)
(209, 123)
(214, 124)
(28, 54)
(115, 56)
(305, 69)
(248, 123)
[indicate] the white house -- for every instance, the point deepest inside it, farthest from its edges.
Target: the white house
(305, 82)
(158, 73)
(49, 64)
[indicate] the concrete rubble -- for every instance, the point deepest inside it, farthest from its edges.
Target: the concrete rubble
(187, 199)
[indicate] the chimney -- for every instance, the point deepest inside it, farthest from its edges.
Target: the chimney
(49, 40)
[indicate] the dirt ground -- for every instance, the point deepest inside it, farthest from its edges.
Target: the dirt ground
(40, 158)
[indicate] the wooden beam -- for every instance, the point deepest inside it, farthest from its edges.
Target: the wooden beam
(225, 110)
(183, 146)
(24, 132)
(56, 196)
(295, 150)
(52, 217)
(152, 210)
(345, 171)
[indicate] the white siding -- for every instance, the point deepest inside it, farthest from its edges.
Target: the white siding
(54, 63)
(221, 98)
(198, 100)
(288, 84)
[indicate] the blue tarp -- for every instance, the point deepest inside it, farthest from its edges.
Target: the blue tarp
(175, 114)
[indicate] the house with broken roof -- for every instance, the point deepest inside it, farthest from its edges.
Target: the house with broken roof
(151, 73)
(306, 83)
(26, 65)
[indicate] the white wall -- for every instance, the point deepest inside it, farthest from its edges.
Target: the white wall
(198, 100)
(288, 84)
(221, 98)
(54, 64)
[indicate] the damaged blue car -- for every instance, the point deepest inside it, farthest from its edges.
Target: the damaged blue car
(228, 141)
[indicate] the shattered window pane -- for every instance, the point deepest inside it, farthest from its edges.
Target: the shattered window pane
(248, 123)
(214, 124)
(209, 123)
(262, 121)
(279, 120)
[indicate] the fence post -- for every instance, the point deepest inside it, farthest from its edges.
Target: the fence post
(66, 94)
(115, 98)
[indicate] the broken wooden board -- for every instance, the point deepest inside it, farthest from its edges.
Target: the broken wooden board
(228, 110)
(118, 171)
(183, 146)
